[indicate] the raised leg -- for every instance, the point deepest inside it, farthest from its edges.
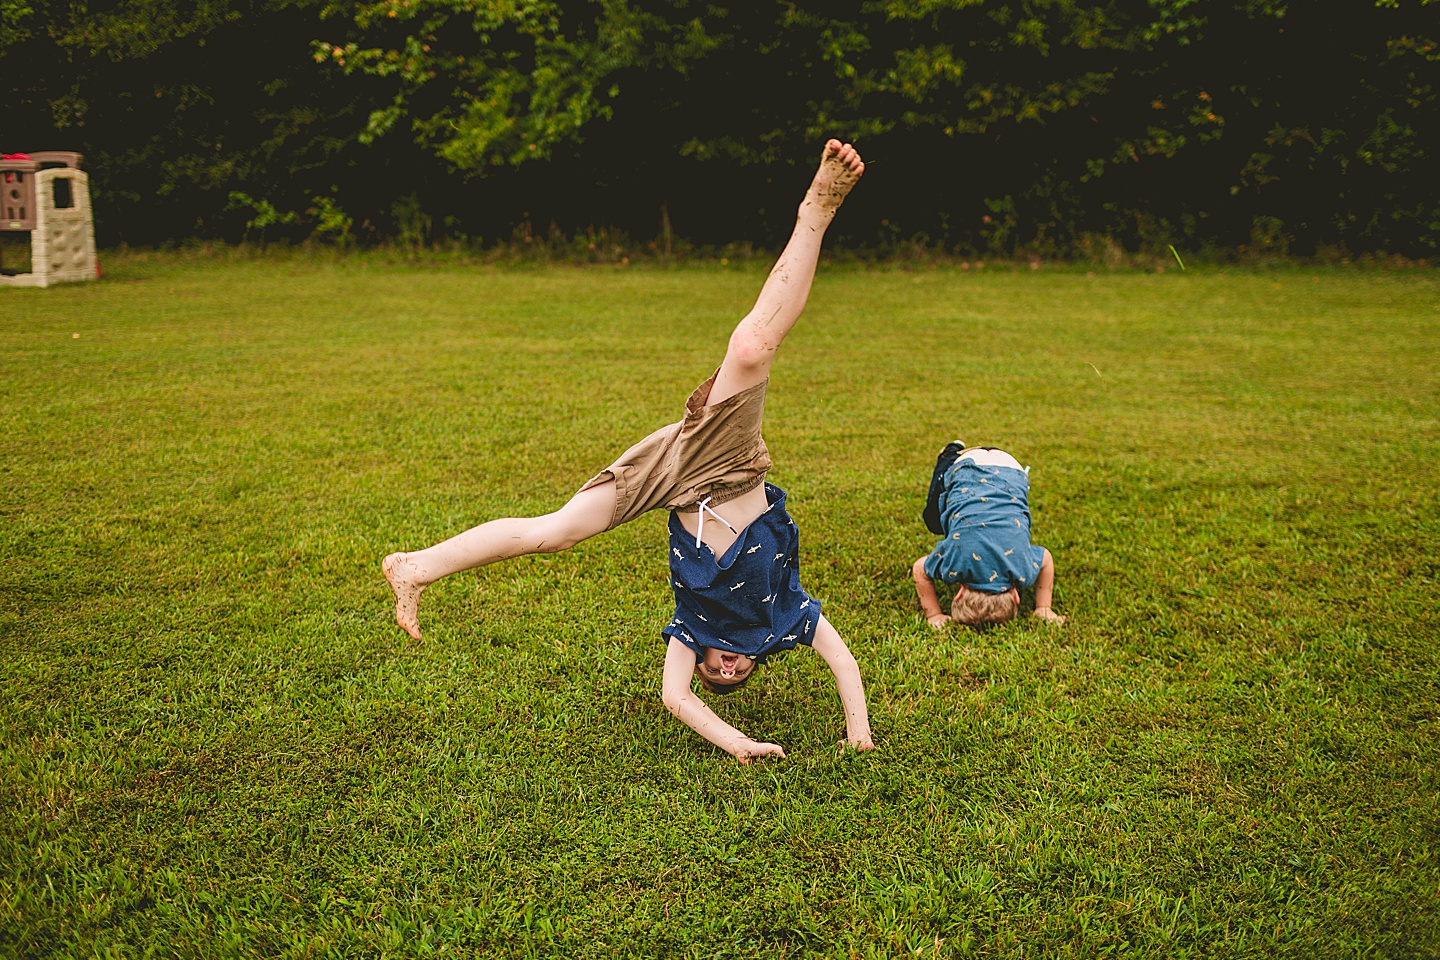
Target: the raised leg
(589, 512)
(757, 337)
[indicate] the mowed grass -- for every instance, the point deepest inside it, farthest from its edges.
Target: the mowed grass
(217, 744)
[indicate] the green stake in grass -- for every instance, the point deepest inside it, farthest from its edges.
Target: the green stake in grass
(1177, 255)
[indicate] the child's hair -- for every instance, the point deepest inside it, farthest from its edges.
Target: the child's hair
(722, 689)
(975, 608)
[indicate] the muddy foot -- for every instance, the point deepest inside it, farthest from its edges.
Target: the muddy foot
(840, 170)
(401, 574)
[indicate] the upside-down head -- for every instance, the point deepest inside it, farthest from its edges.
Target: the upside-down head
(976, 608)
(722, 672)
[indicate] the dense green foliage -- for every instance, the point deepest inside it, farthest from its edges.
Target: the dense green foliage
(217, 744)
(995, 124)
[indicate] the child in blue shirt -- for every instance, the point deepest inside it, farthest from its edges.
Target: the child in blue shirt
(733, 549)
(979, 502)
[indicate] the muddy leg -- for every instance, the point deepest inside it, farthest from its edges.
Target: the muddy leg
(754, 342)
(589, 512)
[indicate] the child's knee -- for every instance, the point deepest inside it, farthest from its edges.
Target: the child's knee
(749, 350)
(555, 532)
(588, 513)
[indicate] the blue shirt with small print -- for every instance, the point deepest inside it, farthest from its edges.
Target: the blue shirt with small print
(985, 513)
(748, 601)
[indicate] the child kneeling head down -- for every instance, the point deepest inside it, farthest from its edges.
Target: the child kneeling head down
(979, 504)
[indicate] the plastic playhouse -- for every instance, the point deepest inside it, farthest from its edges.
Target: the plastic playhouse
(48, 196)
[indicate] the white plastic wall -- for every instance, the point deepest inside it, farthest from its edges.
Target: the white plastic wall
(62, 245)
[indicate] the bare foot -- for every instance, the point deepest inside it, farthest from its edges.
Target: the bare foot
(840, 170)
(401, 574)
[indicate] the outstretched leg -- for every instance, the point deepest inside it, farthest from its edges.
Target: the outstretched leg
(589, 512)
(754, 342)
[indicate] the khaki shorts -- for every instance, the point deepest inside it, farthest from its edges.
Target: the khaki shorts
(715, 452)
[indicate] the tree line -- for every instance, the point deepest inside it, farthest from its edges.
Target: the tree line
(1008, 126)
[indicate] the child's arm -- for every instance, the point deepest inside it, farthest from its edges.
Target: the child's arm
(1045, 589)
(695, 714)
(929, 599)
(832, 649)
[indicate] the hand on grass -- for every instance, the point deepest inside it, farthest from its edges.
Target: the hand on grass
(861, 745)
(753, 749)
(1049, 616)
(938, 621)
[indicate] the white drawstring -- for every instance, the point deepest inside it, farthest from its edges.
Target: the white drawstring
(700, 527)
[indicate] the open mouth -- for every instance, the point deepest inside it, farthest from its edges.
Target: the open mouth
(729, 663)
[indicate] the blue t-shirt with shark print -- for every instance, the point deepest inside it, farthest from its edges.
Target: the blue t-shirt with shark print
(748, 601)
(985, 513)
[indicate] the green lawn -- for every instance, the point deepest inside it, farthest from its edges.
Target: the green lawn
(216, 743)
